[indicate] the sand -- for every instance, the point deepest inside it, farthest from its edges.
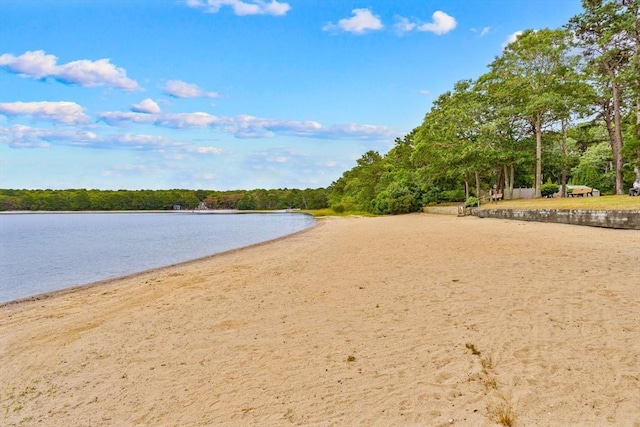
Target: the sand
(415, 320)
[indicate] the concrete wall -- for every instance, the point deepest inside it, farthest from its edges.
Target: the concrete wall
(441, 210)
(629, 220)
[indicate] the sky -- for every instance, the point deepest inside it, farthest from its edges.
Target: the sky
(231, 94)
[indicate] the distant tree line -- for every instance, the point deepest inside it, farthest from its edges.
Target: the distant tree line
(558, 106)
(101, 200)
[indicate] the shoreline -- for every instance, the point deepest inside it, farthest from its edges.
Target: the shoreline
(163, 211)
(409, 320)
(106, 282)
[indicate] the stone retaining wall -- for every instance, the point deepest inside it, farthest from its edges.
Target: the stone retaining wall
(629, 220)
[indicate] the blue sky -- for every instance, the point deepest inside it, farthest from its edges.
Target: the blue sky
(231, 94)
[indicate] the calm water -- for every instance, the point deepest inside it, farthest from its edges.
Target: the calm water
(45, 252)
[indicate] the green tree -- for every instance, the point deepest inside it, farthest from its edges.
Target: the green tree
(529, 80)
(450, 143)
(607, 31)
(506, 136)
(595, 168)
(356, 188)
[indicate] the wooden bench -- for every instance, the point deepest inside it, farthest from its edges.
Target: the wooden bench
(580, 191)
(494, 197)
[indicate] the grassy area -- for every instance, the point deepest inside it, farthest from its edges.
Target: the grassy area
(330, 212)
(591, 203)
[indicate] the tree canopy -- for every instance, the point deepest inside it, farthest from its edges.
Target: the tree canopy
(558, 105)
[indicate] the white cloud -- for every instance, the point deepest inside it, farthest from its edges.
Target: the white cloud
(424, 92)
(403, 25)
(117, 118)
(246, 126)
(68, 113)
(357, 131)
(38, 65)
(442, 23)
(34, 64)
(180, 89)
(242, 8)
(148, 106)
(168, 120)
(482, 32)
(21, 136)
(95, 73)
(362, 21)
(511, 38)
(187, 120)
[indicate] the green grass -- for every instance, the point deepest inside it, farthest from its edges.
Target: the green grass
(589, 203)
(329, 212)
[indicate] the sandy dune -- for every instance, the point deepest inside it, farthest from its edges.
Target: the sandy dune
(357, 321)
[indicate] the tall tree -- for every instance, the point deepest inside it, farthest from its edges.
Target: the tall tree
(528, 78)
(634, 8)
(356, 188)
(607, 34)
(449, 141)
(506, 134)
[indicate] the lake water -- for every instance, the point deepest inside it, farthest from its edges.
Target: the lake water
(46, 252)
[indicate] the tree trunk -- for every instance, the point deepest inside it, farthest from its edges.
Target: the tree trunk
(508, 172)
(500, 184)
(506, 181)
(617, 151)
(563, 149)
(608, 122)
(477, 185)
(635, 9)
(538, 129)
(512, 179)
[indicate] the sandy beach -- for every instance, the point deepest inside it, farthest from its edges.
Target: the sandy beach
(414, 320)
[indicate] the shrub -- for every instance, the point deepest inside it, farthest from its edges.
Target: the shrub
(549, 189)
(453, 195)
(471, 202)
(395, 199)
(432, 196)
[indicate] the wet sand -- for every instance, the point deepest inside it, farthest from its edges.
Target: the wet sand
(416, 320)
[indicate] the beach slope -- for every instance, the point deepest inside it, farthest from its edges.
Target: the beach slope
(408, 320)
